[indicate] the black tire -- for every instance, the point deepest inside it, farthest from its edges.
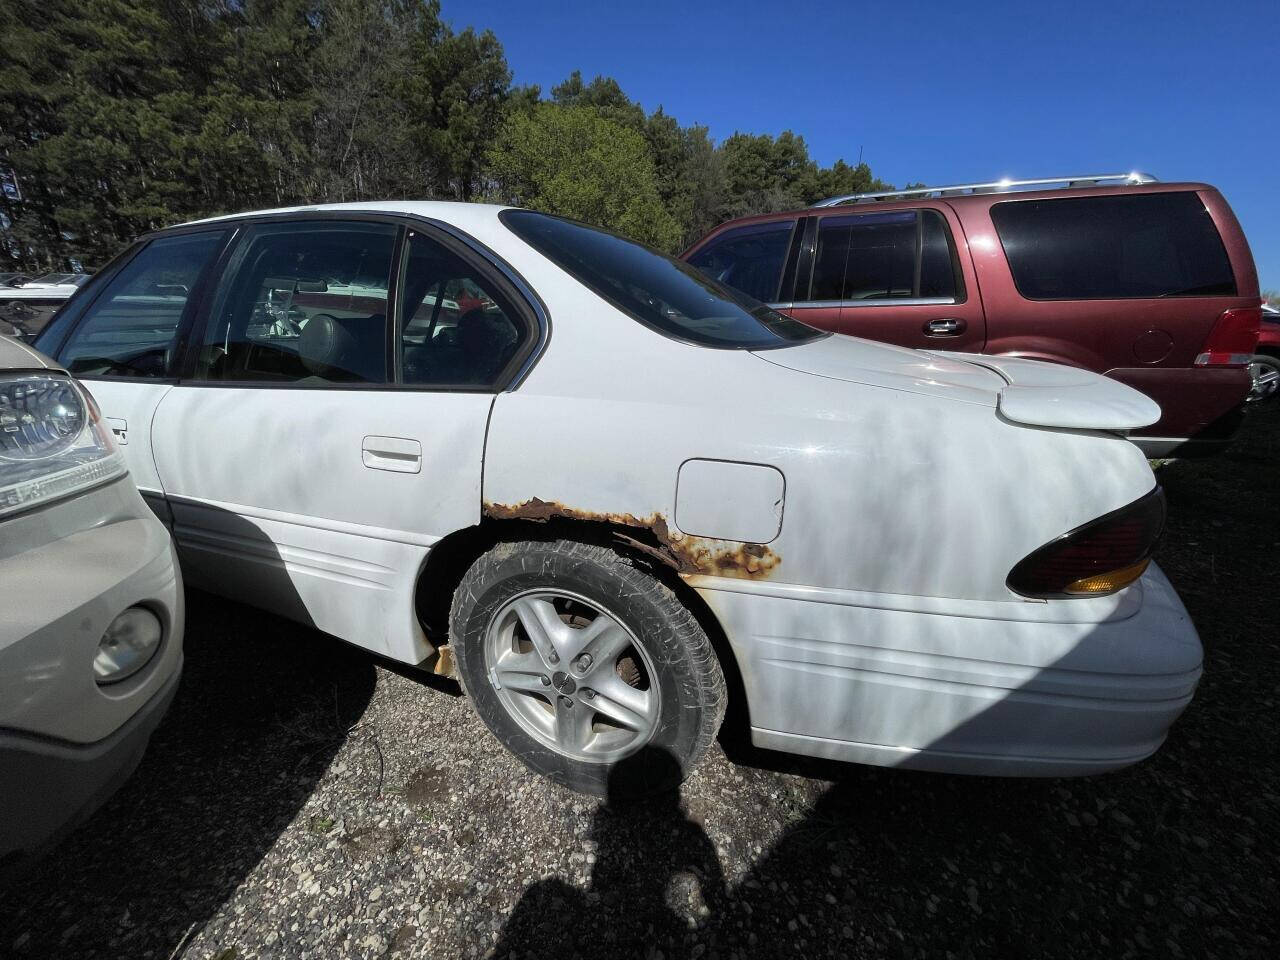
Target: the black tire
(691, 686)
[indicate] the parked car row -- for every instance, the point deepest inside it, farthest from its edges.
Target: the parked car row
(28, 303)
(624, 493)
(1152, 284)
(357, 416)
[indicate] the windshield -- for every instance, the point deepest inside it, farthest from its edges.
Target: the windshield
(663, 293)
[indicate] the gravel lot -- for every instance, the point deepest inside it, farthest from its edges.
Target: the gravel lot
(303, 800)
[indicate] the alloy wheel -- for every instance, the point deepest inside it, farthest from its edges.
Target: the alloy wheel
(572, 675)
(1265, 371)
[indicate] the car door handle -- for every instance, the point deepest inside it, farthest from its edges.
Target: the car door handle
(944, 328)
(392, 453)
(119, 428)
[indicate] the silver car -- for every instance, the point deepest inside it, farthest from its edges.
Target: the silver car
(91, 628)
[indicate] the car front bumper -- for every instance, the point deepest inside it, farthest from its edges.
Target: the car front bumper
(66, 742)
(956, 691)
(52, 785)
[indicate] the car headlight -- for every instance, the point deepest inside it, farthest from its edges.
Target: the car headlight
(52, 441)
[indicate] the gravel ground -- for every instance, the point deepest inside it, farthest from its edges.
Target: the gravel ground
(304, 800)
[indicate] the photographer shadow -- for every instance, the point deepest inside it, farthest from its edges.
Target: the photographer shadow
(655, 882)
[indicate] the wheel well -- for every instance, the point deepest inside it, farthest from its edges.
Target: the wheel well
(452, 556)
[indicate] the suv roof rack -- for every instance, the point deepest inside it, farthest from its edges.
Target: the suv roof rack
(960, 189)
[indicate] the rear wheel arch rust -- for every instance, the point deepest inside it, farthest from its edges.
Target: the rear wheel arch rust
(452, 556)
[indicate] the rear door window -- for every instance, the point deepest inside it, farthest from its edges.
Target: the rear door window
(458, 328)
(1114, 247)
(302, 302)
(749, 258)
(130, 329)
(901, 255)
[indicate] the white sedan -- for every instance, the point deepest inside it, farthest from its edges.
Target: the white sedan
(624, 495)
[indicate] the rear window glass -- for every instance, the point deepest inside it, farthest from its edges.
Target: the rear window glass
(1114, 247)
(668, 295)
(748, 258)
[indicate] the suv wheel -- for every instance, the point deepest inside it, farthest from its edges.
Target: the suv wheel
(1265, 371)
(576, 659)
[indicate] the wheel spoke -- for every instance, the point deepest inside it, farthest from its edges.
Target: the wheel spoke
(623, 704)
(603, 640)
(543, 626)
(523, 672)
(573, 725)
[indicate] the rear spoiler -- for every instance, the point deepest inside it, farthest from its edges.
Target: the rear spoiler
(1042, 394)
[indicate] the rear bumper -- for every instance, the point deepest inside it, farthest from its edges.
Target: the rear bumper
(1200, 407)
(52, 786)
(963, 693)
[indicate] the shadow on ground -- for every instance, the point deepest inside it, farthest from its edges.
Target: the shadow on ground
(263, 706)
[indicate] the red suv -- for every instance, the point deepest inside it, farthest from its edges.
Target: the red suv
(1150, 283)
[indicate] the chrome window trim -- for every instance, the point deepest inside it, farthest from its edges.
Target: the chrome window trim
(882, 302)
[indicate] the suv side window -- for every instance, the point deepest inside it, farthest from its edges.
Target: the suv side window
(749, 258)
(302, 302)
(458, 328)
(129, 330)
(902, 255)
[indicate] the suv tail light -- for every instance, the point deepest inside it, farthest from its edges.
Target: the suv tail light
(1103, 556)
(1232, 340)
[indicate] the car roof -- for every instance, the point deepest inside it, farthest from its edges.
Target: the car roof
(457, 213)
(15, 355)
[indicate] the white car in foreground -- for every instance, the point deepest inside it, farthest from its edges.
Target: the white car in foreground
(624, 494)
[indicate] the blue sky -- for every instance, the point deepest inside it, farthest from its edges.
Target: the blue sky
(947, 92)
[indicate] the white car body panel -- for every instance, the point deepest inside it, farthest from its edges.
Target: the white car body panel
(874, 475)
(875, 624)
(350, 536)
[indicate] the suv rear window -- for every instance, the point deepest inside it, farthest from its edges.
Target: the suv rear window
(748, 258)
(1114, 247)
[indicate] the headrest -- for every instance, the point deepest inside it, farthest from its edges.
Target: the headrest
(323, 343)
(345, 349)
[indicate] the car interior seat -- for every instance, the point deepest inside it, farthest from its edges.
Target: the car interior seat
(344, 348)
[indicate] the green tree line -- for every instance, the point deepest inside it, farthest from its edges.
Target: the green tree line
(121, 116)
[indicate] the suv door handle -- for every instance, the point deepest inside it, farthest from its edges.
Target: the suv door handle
(944, 328)
(392, 453)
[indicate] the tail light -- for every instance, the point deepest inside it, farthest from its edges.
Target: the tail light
(1103, 556)
(1232, 340)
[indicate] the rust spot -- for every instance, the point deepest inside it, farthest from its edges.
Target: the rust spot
(688, 555)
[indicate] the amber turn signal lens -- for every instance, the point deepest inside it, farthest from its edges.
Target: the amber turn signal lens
(1107, 582)
(1102, 556)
